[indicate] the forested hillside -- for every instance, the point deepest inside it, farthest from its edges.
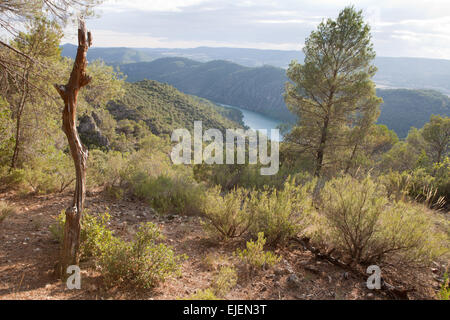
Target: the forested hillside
(257, 89)
(403, 109)
(163, 109)
(261, 89)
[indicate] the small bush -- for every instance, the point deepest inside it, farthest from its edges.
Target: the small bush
(14, 178)
(57, 228)
(227, 216)
(143, 262)
(396, 184)
(281, 214)
(94, 237)
(106, 169)
(50, 172)
(361, 224)
(6, 210)
(169, 194)
(255, 256)
(207, 294)
(224, 281)
(419, 185)
(444, 293)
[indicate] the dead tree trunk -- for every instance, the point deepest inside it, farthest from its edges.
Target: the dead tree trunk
(69, 93)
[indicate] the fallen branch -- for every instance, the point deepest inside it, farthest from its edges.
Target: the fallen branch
(394, 292)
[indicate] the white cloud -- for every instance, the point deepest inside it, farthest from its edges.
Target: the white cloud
(108, 38)
(153, 5)
(400, 27)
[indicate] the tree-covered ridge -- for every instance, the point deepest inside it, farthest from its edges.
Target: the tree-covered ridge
(163, 109)
(403, 108)
(261, 90)
(257, 89)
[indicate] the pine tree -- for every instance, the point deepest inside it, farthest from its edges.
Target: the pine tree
(332, 92)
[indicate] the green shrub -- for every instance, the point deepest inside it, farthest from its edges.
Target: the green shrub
(255, 256)
(106, 168)
(396, 184)
(226, 216)
(281, 214)
(442, 173)
(94, 236)
(169, 194)
(225, 280)
(444, 293)
(207, 294)
(57, 228)
(51, 171)
(13, 178)
(359, 222)
(418, 185)
(6, 210)
(143, 262)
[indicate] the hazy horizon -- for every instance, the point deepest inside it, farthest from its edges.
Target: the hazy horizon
(198, 47)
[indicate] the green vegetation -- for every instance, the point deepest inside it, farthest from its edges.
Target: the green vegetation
(163, 109)
(227, 216)
(6, 210)
(359, 221)
(255, 256)
(260, 89)
(207, 294)
(444, 293)
(374, 199)
(95, 235)
(281, 214)
(403, 109)
(143, 262)
(224, 281)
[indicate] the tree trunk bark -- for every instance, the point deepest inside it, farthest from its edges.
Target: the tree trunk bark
(69, 93)
(321, 150)
(20, 108)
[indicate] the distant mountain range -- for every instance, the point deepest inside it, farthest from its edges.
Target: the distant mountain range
(261, 88)
(258, 89)
(410, 73)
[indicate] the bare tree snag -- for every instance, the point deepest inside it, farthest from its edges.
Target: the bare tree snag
(69, 93)
(396, 293)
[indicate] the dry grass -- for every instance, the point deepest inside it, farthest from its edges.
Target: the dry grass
(6, 210)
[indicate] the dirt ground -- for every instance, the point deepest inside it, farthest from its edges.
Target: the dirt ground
(28, 254)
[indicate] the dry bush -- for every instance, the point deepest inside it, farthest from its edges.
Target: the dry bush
(6, 210)
(227, 216)
(357, 220)
(281, 214)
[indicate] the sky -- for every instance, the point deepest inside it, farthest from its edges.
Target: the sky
(400, 28)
